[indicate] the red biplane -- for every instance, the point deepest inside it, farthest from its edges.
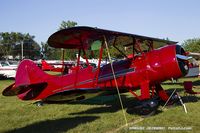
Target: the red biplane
(48, 67)
(56, 67)
(145, 68)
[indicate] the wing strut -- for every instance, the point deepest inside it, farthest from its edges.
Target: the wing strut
(111, 65)
(77, 67)
(85, 57)
(63, 60)
(99, 63)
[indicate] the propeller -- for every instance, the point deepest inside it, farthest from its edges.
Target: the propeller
(183, 57)
(183, 60)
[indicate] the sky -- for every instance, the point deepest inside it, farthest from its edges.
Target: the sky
(177, 20)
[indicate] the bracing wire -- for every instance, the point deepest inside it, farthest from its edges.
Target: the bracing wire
(181, 101)
(111, 64)
(168, 99)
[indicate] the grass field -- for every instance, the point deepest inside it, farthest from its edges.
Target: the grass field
(96, 116)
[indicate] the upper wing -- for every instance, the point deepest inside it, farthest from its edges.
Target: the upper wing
(84, 37)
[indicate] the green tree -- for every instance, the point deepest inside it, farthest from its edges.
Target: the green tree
(192, 45)
(7, 43)
(11, 45)
(50, 53)
(1, 51)
(68, 24)
(55, 53)
(69, 53)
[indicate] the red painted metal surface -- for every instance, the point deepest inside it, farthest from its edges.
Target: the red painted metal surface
(141, 71)
(46, 66)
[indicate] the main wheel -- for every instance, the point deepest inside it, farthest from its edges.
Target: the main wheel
(144, 108)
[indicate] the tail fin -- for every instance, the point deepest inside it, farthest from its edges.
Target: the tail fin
(29, 73)
(46, 66)
(27, 77)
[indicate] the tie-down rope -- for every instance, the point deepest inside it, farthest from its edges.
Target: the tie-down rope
(111, 64)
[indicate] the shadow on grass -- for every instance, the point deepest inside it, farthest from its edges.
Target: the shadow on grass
(4, 78)
(97, 110)
(196, 83)
(185, 98)
(109, 104)
(190, 99)
(54, 126)
(169, 91)
(129, 103)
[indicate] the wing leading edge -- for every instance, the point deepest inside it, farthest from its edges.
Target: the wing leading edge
(82, 37)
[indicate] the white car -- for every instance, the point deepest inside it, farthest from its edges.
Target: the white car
(7, 70)
(194, 69)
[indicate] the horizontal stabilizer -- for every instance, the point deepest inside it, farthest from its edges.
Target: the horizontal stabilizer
(30, 81)
(12, 90)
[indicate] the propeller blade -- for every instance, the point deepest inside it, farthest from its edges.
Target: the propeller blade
(183, 57)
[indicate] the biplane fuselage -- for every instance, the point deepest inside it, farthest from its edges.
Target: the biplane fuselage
(143, 70)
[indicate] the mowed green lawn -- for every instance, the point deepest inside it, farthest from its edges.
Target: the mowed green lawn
(96, 116)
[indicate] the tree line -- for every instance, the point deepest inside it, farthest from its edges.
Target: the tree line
(11, 45)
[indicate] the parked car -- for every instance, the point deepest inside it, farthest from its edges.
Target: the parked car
(194, 68)
(7, 70)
